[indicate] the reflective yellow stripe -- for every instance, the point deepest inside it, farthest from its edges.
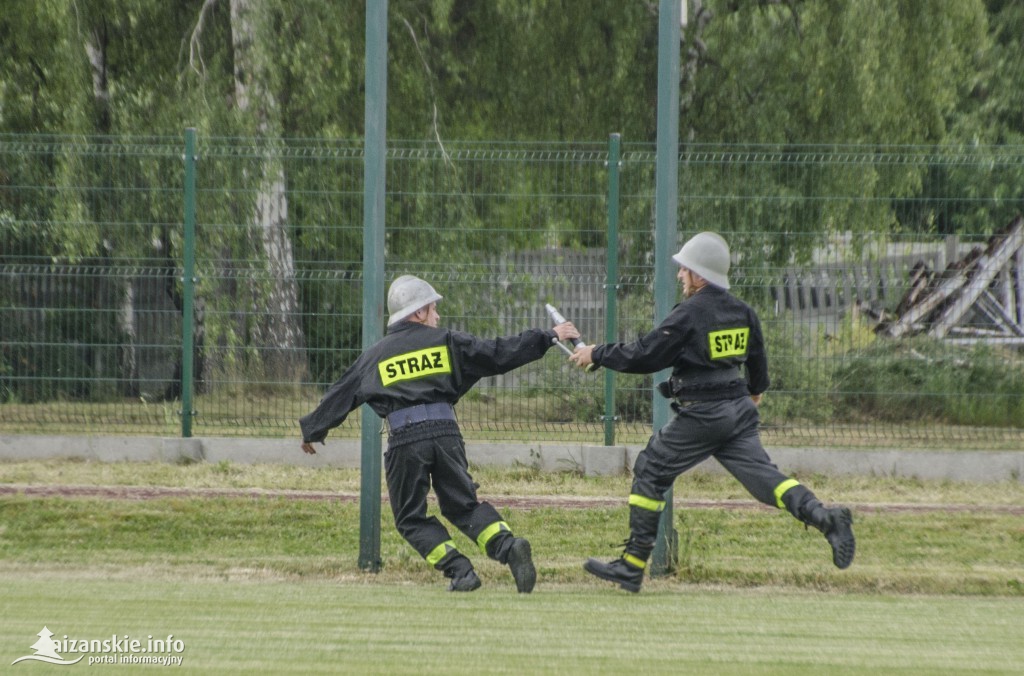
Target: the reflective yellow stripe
(728, 343)
(490, 532)
(438, 552)
(418, 364)
(634, 561)
(646, 503)
(781, 489)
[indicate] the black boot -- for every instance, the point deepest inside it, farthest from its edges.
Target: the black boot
(460, 571)
(835, 523)
(628, 570)
(517, 554)
(619, 571)
(520, 562)
(466, 582)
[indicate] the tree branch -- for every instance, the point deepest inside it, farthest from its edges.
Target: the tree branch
(430, 84)
(194, 47)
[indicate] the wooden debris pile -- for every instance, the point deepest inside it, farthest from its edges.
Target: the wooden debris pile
(978, 298)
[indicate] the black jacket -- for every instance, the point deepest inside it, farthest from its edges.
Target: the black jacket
(702, 338)
(416, 364)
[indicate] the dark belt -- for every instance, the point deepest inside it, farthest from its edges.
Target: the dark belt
(420, 413)
(705, 378)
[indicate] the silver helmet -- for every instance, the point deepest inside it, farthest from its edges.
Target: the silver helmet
(407, 295)
(706, 254)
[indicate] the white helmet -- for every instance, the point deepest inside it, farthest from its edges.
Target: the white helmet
(407, 295)
(706, 254)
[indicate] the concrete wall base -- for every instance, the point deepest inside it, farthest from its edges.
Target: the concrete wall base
(590, 460)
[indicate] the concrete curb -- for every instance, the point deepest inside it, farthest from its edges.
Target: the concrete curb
(975, 466)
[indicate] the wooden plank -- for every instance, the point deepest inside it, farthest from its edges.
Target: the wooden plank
(1005, 341)
(945, 294)
(1016, 274)
(921, 276)
(917, 313)
(858, 284)
(998, 314)
(802, 289)
(849, 297)
(791, 290)
(986, 268)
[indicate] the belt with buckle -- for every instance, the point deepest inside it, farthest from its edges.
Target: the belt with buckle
(420, 413)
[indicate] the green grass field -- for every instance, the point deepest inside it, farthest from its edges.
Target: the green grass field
(269, 584)
(363, 626)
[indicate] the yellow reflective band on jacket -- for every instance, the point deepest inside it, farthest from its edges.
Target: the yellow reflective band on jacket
(646, 503)
(781, 489)
(411, 365)
(438, 552)
(634, 561)
(490, 532)
(729, 342)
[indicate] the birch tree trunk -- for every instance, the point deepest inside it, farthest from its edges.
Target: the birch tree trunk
(695, 51)
(276, 330)
(123, 291)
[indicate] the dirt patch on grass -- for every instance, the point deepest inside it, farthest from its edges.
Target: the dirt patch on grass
(509, 501)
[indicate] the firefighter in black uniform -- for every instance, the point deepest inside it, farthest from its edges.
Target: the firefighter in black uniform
(413, 377)
(706, 339)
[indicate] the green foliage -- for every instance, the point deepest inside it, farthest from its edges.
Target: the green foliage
(43, 70)
(991, 112)
(783, 64)
(459, 70)
(460, 73)
(575, 396)
(800, 377)
(775, 83)
(775, 154)
(634, 398)
(582, 395)
(851, 375)
(911, 380)
(966, 189)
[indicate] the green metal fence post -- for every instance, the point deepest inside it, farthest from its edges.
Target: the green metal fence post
(611, 286)
(188, 283)
(665, 555)
(373, 269)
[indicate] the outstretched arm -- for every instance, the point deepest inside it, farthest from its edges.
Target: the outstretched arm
(483, 358)
(647, 354)
(339, 400)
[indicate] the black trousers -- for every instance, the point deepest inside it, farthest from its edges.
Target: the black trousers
(725, 430)
(428, 454)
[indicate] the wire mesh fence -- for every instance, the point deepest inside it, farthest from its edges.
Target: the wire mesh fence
(888, 280)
